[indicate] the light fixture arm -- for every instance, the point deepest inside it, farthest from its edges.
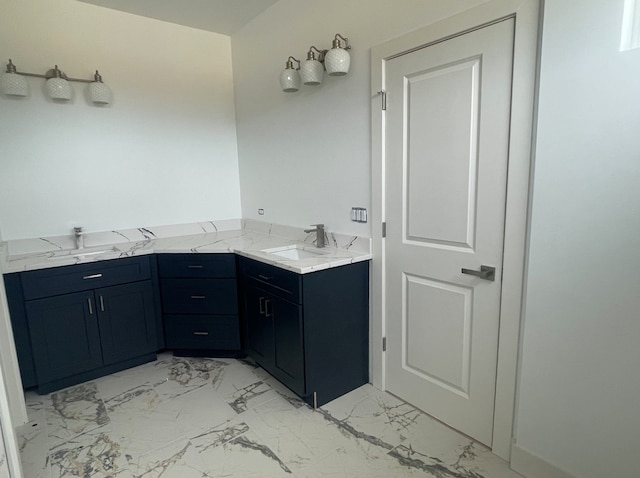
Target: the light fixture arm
(336, 42)
(312, 56)
(11, 68)
(290, 61)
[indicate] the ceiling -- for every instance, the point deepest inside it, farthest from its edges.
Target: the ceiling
(219, 16)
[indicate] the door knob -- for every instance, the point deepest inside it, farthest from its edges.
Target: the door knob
(485, 272)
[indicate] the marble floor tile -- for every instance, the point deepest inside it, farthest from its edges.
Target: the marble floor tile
(239, 452)
(74, 411)
(197, 411)
(236, 376)
(178, 375)
(142, 431)
(178, 459)
(34, 445)
(203, 418)
(251, 396)
(94, 454)
(4, 465)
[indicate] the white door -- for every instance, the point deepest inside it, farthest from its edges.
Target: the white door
(447, 131)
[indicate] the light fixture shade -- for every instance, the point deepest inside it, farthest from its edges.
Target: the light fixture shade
(337, 61)
(312, 72)
(290, 80)
(13, 84)
(99, 93)
(58, 89)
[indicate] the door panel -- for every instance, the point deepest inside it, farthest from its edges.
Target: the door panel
(446, 156)
(441, 153)
(437, 347)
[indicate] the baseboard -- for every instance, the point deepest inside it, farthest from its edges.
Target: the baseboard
(532, 466)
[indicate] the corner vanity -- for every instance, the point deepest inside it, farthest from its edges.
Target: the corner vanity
(310, 331)
(300, 312)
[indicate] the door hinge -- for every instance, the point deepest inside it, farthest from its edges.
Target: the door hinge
(384, 99)
(384, 229)
(384, 344)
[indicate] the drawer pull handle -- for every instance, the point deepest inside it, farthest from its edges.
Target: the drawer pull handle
(266, 308)
(195, 267)
(260, 276)
(93, 276)
(198, 296)
(201, 333)
(261, 305)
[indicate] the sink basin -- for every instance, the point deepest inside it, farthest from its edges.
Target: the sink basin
(83, 253)
(297, 252)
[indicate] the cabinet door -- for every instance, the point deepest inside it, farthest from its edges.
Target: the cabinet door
(260, 341)
(288, 338)
(64, 334)
(126, 321)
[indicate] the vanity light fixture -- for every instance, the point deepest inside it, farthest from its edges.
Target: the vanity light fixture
(57, 86)
(12, 83)
(290, 78)
(312, 70)
(336, 61)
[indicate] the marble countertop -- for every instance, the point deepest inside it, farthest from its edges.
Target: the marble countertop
(247, 241)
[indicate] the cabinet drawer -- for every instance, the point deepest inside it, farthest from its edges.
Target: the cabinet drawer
(80, 277)
(278, 281)
(203, 332)
(197, 265)
(199, 296)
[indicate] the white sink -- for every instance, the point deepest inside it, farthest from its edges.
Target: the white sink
(297, 252)
(83, 253)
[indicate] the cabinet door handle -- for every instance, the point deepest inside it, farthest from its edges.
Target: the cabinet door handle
(201, 333)
(90, 306)
(101, 304)
(261, 305)
(195, 267)
(266, 308)
(92, 276)
(198, 296)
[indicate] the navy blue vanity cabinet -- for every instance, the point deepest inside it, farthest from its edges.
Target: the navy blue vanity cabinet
(200, 303)
(310, 331)
(88, 320)
(64, 335)
(275, 334)
(122, 332)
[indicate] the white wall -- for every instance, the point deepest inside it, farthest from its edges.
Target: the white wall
(163, 153)
(305, 157)
(579, 382)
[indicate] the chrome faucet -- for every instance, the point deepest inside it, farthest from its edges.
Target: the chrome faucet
(319, 230)
(79, 237)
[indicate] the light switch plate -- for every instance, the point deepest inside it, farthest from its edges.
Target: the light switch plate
(359, 214)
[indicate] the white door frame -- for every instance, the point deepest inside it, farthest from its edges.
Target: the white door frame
(526, 14)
